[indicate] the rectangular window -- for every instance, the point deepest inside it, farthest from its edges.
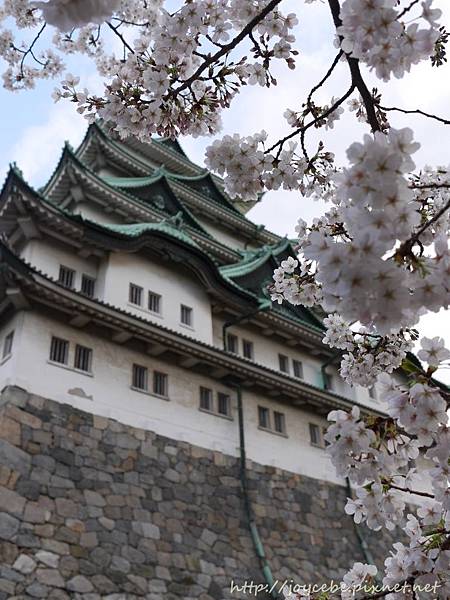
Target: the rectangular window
(284, 363)
(8, 344)
(223, 404)
(135, 294)
(263, 417)
(232, 343)
(328, 381)
(154, 303)
(297, 366)
(59, 350)
(279, 422)
(325, 443)
(206, 398)
(373, 392)
(83, 358)
(140, 377)
(160, 384)
(66, 276)
(186, 315)
(88, 286)
(314, 434)
(247, 349)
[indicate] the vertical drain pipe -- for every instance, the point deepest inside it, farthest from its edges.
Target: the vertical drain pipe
(251, 522)
(259, 548)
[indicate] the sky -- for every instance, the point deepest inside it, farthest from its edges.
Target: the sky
(33, 128)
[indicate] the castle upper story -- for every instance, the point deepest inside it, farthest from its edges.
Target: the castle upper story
(131, 285)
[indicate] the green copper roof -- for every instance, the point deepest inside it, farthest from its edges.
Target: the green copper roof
(168, 226)
(252, 259)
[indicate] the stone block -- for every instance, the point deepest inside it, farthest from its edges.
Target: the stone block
(12, 502)
(9, 526)
(80, 585)
(24, 564)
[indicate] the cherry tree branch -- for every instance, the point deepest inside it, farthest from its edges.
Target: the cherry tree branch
(325, 77)
(408, 8)
(227, 47)
(406, 246)
(323, 115)
(357, 78)
(416, 111)
(410, 491)
(120, 36)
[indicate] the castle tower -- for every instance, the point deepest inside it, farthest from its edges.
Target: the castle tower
(161, 431)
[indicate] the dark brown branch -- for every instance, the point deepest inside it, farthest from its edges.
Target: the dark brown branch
(120, 36)
(416, 111)
(30, 49)
(323, 115)
(357, 78)
(406, 246)
(325, 77)
(408, 8)
(410, 491)
(227, 47)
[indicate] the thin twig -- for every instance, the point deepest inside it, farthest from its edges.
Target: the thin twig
(30, 49)
(323, 115)
(227, 47)
(123, 40)
(325, 77)
(407, 9)
(416, 111)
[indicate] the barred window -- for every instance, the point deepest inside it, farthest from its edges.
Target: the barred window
(135, 294)
(59, 350)
(140, 377)
(279, 422)
(263, 417)
(160, 384)
(8, 344)
(314, 434)
(83, 358)
(247, 349)
(154, 302)
(206, 398)
(66, 276)
(88, 286)
(297, 366)
(186, 315)
(284, 363)
(232, 343)
(223, 404)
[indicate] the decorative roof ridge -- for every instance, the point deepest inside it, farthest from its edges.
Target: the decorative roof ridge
(95, 129)
(122, 147)
(252, 259)
(149, 181)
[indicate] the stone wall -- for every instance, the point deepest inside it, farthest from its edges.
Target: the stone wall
(91, 508)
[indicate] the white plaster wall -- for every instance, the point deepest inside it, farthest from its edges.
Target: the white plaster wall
(108, 393)
(48, 256)
(222, 234)
(175, 288)
(95, 213)
(266, 351)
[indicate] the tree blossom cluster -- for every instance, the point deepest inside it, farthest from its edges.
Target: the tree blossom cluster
(373, 33)
(375, 454)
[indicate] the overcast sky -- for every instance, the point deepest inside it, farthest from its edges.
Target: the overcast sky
(34, 128)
